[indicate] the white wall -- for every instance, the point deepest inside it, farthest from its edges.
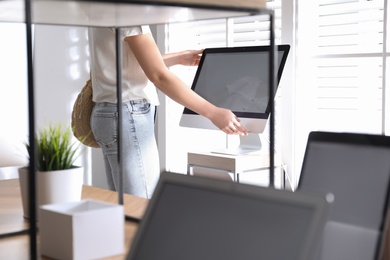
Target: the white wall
(13, 97)
(60, 71)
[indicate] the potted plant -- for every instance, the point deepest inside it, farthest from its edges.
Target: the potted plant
(58, 180)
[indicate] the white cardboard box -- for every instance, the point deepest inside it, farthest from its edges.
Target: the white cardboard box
(87, 229)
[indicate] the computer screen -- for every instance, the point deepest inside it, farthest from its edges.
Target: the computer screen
(237, 78)
(196, 218)
(356, 169)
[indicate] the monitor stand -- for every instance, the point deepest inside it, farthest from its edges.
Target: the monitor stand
(249, 144)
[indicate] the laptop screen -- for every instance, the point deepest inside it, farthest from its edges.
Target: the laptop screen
(194, 218)
(356, 169)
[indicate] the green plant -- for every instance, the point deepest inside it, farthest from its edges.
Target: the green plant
(54, 148)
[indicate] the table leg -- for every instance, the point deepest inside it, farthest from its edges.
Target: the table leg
(189, 169)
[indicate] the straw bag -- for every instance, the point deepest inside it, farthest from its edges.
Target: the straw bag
(81, 116)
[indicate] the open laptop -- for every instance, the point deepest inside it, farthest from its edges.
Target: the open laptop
(356, 169)
(196, 218)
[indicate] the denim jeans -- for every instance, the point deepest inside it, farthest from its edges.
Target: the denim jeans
(140, 158)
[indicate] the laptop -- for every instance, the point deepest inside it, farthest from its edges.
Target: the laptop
(356, 169)
(194, 218)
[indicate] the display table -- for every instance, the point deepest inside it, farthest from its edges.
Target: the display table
(235, 164)
(11, 217)
(118, 14)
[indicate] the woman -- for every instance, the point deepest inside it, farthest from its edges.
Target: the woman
(142, 64)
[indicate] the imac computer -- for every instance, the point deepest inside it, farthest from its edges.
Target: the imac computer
(237, 78)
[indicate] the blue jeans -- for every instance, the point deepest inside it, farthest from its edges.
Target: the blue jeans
(141, 167)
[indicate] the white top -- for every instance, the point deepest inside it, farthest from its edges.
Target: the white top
(135, 84)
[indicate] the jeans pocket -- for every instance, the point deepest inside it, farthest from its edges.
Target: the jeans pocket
(139, 107)
(105, 128)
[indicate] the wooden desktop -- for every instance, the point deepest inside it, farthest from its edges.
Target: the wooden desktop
(12, 220)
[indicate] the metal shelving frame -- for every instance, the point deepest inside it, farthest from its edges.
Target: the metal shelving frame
(116, 14)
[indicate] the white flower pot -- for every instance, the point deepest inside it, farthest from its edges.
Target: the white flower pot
(52, 187)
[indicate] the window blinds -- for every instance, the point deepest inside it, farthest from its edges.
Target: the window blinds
(349, 60)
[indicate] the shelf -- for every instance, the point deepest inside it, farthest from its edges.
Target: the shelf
(126, 13)
(115, 13)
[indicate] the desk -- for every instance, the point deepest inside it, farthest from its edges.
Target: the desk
(235, 164)
(11, 217)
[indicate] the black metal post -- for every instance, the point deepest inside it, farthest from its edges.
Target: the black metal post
(272, 88)
(118, 48)
(31, 116)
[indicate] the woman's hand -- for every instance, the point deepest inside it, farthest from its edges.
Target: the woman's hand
(190, 57)
(227, 121)
(185, 58)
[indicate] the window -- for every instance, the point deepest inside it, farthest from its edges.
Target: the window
(349, 66)
(342, 67)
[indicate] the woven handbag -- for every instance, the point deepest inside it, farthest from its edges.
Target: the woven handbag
(81, 116)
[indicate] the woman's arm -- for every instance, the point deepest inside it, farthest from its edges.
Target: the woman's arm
(151, 61)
